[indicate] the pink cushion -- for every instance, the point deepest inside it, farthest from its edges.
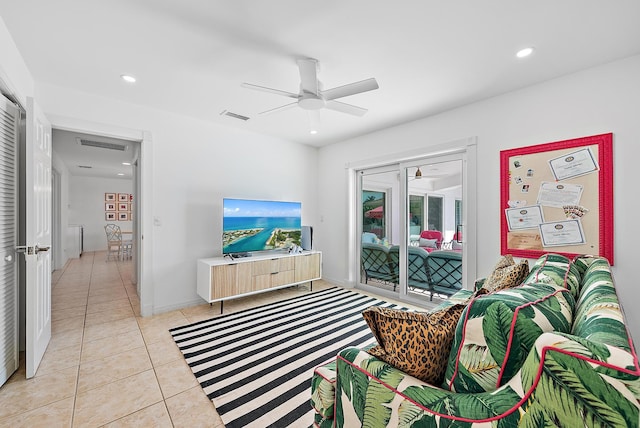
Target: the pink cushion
(432, 234)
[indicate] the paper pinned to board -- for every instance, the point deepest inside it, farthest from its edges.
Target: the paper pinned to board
(559, 194)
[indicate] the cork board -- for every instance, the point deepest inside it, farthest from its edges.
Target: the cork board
(558, 198)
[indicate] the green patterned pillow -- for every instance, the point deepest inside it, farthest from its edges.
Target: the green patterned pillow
(496, 332)
(556, 269)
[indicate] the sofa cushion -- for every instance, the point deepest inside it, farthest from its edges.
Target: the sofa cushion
(496, 332)
(417, 343)
(506, 274)
(556, 269)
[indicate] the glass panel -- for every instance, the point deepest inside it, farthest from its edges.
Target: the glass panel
(379, 211)
(458, 231)
(373, 213)
(416, 214)
(435, 216)
(434, 189)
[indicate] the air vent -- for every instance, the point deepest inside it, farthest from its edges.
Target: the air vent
(102, 145)
(85, 166)
(234, 115)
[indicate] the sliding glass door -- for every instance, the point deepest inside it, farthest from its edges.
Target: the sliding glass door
(407, 212)
(377, 223)
(431, 264)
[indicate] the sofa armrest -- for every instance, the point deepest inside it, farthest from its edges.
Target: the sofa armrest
(569, 379)
(370, 392)
(564, 379)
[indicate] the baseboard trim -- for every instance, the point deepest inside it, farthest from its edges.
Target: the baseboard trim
(162, 309)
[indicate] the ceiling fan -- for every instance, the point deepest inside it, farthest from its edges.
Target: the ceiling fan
(313, 98)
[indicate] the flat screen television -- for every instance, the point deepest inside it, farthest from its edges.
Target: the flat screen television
(254, 225)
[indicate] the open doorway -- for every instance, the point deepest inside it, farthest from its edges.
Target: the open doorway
(98, 185)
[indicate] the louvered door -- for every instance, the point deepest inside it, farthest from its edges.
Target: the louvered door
(8, 239)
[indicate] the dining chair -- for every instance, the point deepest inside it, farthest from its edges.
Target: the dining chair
(116, 246)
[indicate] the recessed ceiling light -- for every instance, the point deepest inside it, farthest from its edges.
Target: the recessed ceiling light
(523, 53)
(126, 163)
(313, 132)
(120, 173)
(127, 78)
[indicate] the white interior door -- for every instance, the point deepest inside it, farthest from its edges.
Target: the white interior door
(38, 235)
(9, 343)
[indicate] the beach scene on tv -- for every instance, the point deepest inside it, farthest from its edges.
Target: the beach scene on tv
(250, 225)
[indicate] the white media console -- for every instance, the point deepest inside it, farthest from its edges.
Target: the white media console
(220, 278)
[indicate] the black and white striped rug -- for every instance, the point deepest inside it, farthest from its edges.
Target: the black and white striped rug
(256, 365)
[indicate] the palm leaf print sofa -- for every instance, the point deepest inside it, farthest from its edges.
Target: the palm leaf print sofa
(554, 351)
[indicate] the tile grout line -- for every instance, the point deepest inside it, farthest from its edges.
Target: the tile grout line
(84, 325)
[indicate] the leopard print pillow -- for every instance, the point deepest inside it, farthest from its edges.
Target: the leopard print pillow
(506, 274)
(418, 343)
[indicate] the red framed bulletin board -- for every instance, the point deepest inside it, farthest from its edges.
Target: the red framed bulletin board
(558, 198)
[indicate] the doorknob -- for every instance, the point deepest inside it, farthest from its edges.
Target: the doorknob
(8, 258)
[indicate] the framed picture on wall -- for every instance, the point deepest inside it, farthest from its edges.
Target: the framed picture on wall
(122, 216)
(110, 206)
(110, 197)
(123, 197)
(123, 206)
(110, 216)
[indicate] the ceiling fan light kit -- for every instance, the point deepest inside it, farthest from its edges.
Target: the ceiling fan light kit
(311, 96)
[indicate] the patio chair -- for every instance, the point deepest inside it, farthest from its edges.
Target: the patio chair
(417, 271)
(375, 263)
(444, 270)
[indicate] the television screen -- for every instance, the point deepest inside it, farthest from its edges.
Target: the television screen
(251, 225)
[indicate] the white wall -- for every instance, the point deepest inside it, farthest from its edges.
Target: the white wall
(195, 164)
(595, 101)
(63, 171)
(14, 74)
(86, 207)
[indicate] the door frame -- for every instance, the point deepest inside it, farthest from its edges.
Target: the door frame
(57, 249)
(144, 180)
(468, 148)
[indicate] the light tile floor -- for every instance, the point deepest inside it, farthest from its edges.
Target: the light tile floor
(106, 365)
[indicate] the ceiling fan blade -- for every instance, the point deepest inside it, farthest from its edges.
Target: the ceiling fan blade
(314, 121)
(308, 75)
(284, 107)
(350, 89)
(346, 108)
(270, 90)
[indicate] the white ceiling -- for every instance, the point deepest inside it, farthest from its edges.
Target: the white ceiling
(91, 161)
(428, 56)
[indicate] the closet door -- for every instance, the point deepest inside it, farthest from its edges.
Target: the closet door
(9, 341)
